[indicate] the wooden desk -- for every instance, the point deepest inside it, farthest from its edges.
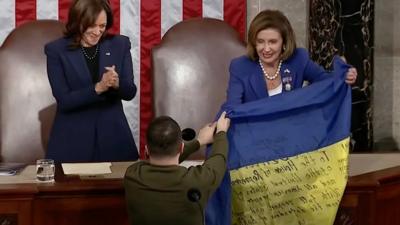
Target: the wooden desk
(70, 200)
(369, 199)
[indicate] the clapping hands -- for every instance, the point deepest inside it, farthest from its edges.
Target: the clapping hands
(110, 79)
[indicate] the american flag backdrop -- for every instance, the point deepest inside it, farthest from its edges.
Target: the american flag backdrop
(144, 22)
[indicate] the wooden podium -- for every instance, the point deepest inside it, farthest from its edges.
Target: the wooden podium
(369, 199)
(70, 200)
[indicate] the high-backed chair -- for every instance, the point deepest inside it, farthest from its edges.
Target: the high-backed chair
(191, 71)
(27, 107)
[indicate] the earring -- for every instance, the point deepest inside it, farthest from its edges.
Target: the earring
(284, 48)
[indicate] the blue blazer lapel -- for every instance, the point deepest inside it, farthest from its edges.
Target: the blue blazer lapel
(105, 57)
(78, 62)
(257, 82)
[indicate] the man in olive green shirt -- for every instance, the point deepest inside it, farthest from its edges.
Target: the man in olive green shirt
(159, 191)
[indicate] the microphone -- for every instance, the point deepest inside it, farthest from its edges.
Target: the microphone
(188, 134)
(194, 195)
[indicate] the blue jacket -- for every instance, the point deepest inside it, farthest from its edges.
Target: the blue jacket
(247, 82)
(88, 126)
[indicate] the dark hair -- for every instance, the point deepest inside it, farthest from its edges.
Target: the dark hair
(164, 137)
(271, 19)
(83, 14)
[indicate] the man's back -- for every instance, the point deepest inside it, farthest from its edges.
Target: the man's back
(159, 194)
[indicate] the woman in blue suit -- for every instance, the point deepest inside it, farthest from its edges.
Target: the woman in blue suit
(89, 73)
(273, 65)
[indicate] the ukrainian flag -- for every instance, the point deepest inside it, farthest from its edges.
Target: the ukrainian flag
(288, 157)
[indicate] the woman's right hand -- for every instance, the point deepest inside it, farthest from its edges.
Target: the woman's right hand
(109, 79)
(100, 87)
(223, 123)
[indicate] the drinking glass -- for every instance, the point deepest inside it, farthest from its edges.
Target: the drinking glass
(45, 170)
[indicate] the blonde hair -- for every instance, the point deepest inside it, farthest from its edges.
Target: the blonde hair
(271, 19)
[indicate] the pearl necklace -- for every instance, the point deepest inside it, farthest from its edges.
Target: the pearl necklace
(269, 77)
(87, 55)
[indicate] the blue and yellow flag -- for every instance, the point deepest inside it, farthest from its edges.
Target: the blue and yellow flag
(288, 157)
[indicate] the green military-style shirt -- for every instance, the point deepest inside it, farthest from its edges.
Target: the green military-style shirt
(158, 195)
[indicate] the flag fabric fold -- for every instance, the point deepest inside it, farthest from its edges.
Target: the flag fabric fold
(287, 157)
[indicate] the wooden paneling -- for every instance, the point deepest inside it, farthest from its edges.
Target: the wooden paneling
(70, 200)
(369, 199)
(15, 208)
(15, 212)
(80, 210)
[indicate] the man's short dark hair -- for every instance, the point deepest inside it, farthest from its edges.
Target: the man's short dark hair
(164, 137)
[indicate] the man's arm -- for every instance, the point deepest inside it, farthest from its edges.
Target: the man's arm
(205, 137)
(188, 149)
(215, 166)
(212, 171)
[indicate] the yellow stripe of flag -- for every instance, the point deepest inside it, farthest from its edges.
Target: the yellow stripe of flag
(305, 189)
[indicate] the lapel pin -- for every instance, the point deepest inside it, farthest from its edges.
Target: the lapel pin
(287, 80)
(107, 53)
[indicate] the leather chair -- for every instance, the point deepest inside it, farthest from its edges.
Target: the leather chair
(190, 70)
(27, 106)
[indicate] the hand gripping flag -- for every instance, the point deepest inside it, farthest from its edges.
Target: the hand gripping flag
(288, 157)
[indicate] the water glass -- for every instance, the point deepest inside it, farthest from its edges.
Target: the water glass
(45, 170)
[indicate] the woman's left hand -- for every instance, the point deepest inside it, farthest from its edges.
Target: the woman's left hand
(113, 79)
(351, 76)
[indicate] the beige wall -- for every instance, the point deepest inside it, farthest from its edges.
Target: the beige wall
(295, 10)
(386, 97)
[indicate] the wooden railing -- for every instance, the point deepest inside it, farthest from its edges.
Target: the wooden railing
(371, 199)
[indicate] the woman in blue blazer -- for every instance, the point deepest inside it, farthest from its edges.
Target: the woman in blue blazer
(89, 73)
(273, 64)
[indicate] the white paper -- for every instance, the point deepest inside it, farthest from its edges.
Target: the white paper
(189, 163)
(86, 168)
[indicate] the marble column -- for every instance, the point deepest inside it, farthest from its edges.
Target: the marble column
(346, 28)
